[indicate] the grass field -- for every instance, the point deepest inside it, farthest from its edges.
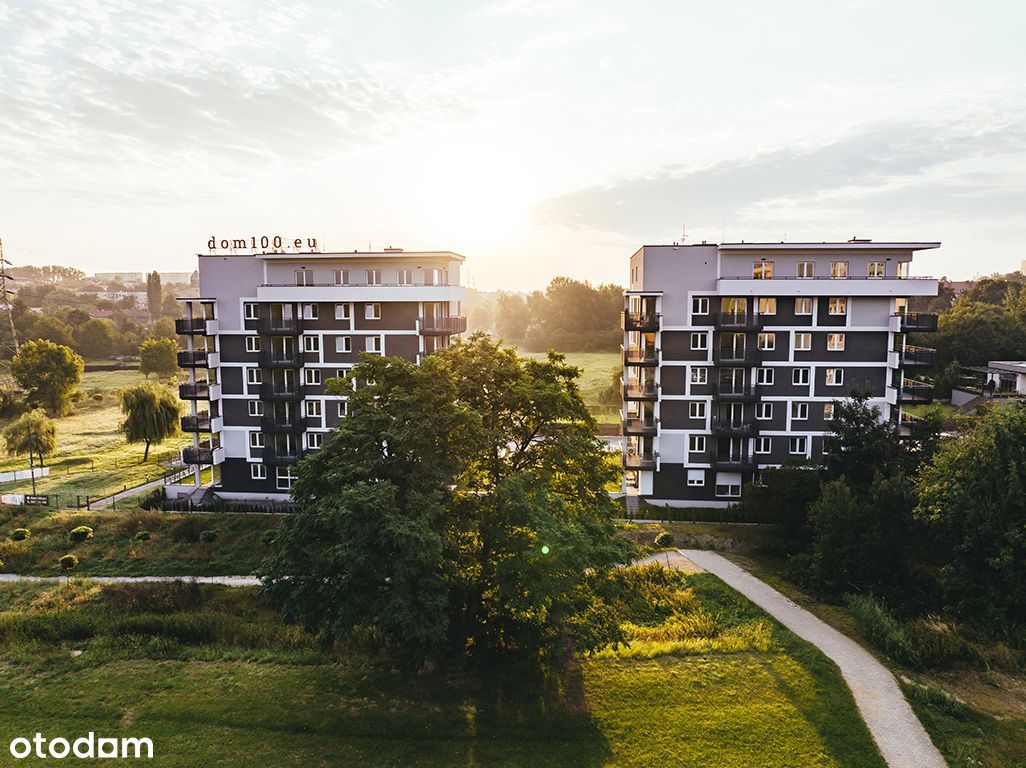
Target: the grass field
(92, 455)
(596, 374)
(214, 678)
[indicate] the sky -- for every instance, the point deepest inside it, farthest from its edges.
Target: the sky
(535, 138)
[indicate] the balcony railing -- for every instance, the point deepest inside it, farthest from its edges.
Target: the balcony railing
(639, 321)
(734, 463)
(197, 423)
(443, 326)
(194, 455)
(643, 426)
(739, 321)
(635, 460)
(734, 427)
(273, 358)
(914, 392)
(917, 322)
(640, 356)
(734, 392)
(293, 424)
(280, 326)
(917, 356)
(194, 391)
(193, 358)
(271, 391)
(343, 286)
(824, 277)
(739, 358)
(640, 391)
(185, 326)
(276, 455)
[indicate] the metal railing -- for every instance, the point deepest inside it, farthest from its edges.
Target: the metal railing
(443, 326)
(917, 322)
(643, 426)
(281, 424)
(282, 326)
(915, 392)
(635, 460)
(186, 326)
(639, 356)
(194, 391)
(640, 391)
(198, 423)
(189, 358)
(278, 359)
(919, 356)
(270, 391)
(639, 321)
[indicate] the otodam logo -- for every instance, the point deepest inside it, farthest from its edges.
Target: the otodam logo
(88, 747)
(253, 242)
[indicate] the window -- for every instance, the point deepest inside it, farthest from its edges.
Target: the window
(696, 443)
(838, 306)
(799, 411)
(314, 440)
(767, 341)
(256, 407)
(699, 375)
(343, 311)
(696, 478)
(313, 408)
(732, 490)
(405, 277)
(256, 439)
(312, 376)
(838, 269)
(876, 269)
(343, 344)
(802, 342)
(763, 445)
(699, 341)
(835, 342)
(252, 343)
(373, 344)
(902, 269)
(764, 375)
(828, 411)
(373, 277)
(254, 376)
(767, 306)
(372, 311)
(309, 311)
(311, 343)
(762, 270)
(796, 446)
(700, 305)
(258, 472)
(806, 269)
(251, 311)
(304, 277)
(803, 305)
(344, 373)
(697, 410)
(834, 377)
(800, 377)
(284, 477)
(764, 411)
(342, 408)
(341, 277)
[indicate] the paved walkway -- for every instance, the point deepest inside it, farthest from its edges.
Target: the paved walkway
(902, 740)
(228, 581)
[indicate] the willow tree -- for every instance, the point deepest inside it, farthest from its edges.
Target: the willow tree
(151, 414)
(32, 433)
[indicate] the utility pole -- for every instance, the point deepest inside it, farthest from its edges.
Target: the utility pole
(5, 297)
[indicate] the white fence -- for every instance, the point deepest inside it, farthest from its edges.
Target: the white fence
(24, 474)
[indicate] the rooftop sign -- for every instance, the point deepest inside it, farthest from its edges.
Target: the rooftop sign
(262, 243)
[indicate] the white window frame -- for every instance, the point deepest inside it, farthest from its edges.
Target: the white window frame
(304, 277)
(803, 301)
(696, 444)
(834, 377)
(404, 276)
(310, 312)
(373, 345)
(343, 344)
(696, 480)
(373, 277)
(254, 376)
(283, 478)
(696, 409)
(699, 341)
(802, 341)
(312, 409)
(312, 376)
(763, 445)
(837, 306)
(762, 270)
(314, 440)
(252, 343)
(699, 375)
(799, 411)
(875, 270)
(806, 270)
(838, 270)
(251, 311)
(765, 376)
(256, 439)
(256, 407)
(768, 306)
(728, 490)
(343, 408)
(828, 411)
(798, 441)
(257, 471)
(800, 377)
(343, 311)
(764, 411)
(341, 277)
(767, 341)
(311, 343)
(372, 311)
(835, 342)
(699, 305)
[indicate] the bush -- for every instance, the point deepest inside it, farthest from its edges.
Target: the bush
(153, 597)
(142, 536)
(208, 536)
(80, 534)
(20, 534)
(928, 696)
(883, 631)
(664, 539)
(69, 563)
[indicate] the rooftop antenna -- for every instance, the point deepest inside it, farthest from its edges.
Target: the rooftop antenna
(5, 295)
(683, 233)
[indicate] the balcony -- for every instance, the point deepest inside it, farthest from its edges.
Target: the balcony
(194, 455)
(198, 358)
(201, 422)
(640, 426)
(737, 358)
(443, 326)
(635, 390)
(917, 357)
(280, 326)
(639, 321)
(915, 392)
(734, 464)
(639, 356)
(274, 392)
(292, 424)
(736, 321)
(828, 286)
(916, 322)
(644, 461)
(279, 455)
(735, 394)
(196, 326)
(279, 359)
(734, 427)
(199, 391)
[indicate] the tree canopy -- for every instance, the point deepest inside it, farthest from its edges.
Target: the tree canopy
(460, 509)
(151, 414)
(159, 356)
(49, 373)
(33, 433)
(95, 339)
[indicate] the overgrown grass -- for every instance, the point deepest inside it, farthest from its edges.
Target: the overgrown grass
(214, 677)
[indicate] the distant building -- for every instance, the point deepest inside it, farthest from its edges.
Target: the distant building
(139, 297)
(121, 277)
(176, 278)
(998, 378)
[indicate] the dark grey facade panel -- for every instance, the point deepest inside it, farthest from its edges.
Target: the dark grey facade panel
(676, 345)
(231, 381)
(672, 379)
(671, 482)
(674, 414)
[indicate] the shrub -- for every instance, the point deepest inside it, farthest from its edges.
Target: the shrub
(929, 696)
(208, 536)
(142, 536)
(883, 631)
(20, 534)
(153, 597)
(69, 563)
(664, 539)
(935, 641)
(98, 397)
(80, 534)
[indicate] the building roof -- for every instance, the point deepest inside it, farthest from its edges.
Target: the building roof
(855, 245)
(396, 253)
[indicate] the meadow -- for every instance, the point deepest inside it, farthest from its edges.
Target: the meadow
(597, 369)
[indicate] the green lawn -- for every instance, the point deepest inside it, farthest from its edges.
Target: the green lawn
(92, 455)
(596, 374)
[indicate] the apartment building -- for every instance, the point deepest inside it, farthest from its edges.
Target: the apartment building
(735, 354)
(270, 329)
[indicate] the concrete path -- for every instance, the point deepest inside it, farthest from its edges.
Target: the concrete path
(902, 740)
(228, 581)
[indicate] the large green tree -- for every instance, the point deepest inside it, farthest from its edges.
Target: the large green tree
(973, 498)
(460, 509)
(49, 373)
(33, 433)
(52, 329)
(151, 414)
(94, 339)
(158, 356)
(976, 332)
(154, 295)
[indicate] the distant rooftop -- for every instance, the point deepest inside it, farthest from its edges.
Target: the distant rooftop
(853, 244)
(393, 253)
